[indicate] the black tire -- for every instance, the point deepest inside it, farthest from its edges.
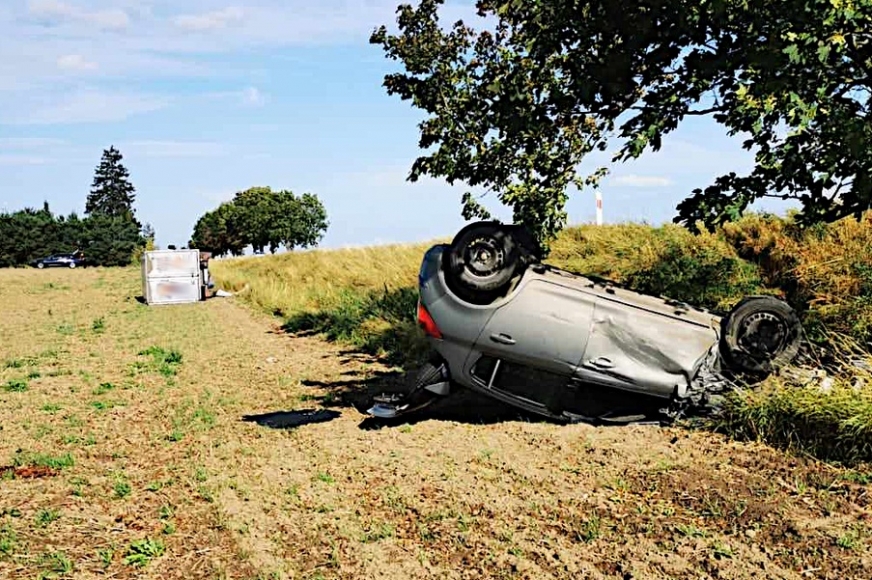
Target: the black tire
(482, 259)
(40, 265)
(760, 335)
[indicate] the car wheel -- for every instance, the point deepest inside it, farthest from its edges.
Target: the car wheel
(40, 265)
(482, 258)
(72, 264)
(759, 335)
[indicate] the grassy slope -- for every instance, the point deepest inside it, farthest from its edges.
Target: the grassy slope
(366, 298)
(169, 460)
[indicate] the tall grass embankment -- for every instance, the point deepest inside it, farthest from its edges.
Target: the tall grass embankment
(366, 298)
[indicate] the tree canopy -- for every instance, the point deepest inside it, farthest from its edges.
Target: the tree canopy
(517, 105)
(112, 193)
(261, 218)
(30, 234)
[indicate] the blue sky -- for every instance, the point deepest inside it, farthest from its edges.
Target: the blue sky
(205, 98)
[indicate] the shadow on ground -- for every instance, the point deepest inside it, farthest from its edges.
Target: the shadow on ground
(355, 392)
(292, 419)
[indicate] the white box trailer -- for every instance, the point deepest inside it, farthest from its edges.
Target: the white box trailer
(171, 276)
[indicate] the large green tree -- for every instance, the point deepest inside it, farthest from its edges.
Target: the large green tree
(27, 235)
(217, 232)
(112, 193)
(110, 240)
(256, 212)
(262, 218)
(30, 234)
(516, 106)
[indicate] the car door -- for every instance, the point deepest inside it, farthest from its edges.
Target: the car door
(538, 337)
(644, 343)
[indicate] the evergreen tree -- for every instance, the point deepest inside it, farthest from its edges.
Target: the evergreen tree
(148, 233)
(112, 193)
(111, 240)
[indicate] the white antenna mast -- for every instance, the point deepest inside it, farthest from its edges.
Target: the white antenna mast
(599, 207)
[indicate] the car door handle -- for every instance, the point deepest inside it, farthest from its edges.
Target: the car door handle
(502, 338)
(602, 362)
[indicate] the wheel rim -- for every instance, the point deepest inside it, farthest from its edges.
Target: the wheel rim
(762, 334)
(483, 257)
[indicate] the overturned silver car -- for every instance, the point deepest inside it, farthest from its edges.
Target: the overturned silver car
(559, 344)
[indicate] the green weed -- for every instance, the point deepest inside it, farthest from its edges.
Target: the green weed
(98, 325)
(122, 488)
(163, 361)
(57, 562)
(16, 386)
(141, 552)
(106, 555)
(8, 541)
(104, 388)
(379, 532)
(46, 516)
(25, 459)
(589, 530)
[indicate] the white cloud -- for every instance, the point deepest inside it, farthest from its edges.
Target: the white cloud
(76, 62)
(173, 148)
(114, 19)
(57, 13)
(641, 181)
(219, 197)
(49, 42)
(21, 160)
(86, 106)
(19, 143)
(50, 8)
(253, 97)
(209, 20)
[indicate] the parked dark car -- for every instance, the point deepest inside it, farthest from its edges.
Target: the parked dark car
(577, 348)
(59, 261)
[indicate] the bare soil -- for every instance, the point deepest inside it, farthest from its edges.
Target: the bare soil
(250, 458)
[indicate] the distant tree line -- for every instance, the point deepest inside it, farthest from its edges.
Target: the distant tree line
(261, 218)
(108, 235)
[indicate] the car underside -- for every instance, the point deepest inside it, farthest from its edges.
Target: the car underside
(577, 348)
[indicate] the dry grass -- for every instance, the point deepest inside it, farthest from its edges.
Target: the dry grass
(183, 463)
(364, 296)
(290, 283)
